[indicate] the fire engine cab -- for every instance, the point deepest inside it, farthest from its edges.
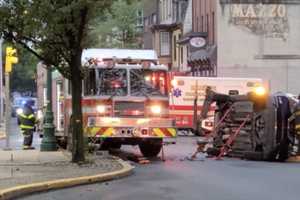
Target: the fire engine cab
(125, 99)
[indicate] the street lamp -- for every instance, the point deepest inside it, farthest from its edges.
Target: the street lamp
(49, 142)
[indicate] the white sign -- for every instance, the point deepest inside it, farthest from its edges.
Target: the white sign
(198, 42)
(258, 10)
(271, 20)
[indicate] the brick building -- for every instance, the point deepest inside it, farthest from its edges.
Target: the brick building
(200, 42)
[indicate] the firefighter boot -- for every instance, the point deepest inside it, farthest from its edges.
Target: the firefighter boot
(28, 136)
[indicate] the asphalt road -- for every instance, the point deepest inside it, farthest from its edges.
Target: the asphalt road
(16, 138)
(175, 179)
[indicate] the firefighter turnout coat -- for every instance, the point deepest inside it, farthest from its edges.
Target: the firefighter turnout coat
(27, 119)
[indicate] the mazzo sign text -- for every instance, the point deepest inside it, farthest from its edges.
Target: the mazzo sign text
(270, 20)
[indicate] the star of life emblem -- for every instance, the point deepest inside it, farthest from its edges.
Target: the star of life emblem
(177, 92)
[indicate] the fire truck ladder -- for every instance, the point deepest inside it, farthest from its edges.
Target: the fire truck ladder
(227, 146)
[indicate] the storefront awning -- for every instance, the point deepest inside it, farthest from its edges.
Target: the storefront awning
(186, 38)
(207, 54)
(164, 26)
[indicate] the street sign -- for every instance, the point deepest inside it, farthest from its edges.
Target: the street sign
(198, 42)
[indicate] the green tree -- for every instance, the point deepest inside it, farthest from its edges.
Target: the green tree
(119, 27)
(56, 32)
(23, 74)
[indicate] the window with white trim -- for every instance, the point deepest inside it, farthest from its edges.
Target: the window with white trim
(164, 43)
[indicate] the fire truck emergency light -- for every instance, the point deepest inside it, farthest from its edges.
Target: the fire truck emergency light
(147, 78)
(260, 91)
(156, 109)
(116, 85)
(100, 109)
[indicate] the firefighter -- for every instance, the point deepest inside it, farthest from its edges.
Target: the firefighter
(200, 153)
(27, 121)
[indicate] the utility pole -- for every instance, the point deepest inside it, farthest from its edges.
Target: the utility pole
(10, 59)
(49, 141)
(1, 82)
(7, 111)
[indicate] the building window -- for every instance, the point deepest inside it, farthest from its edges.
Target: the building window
(213, 27)
(140, 18)
(181, 55)
(89, 83)
(164, 9)
(164, 43)
(161, 10)
(187, 52)
(146, 22)
(69, 89)
(202, 23)
(45, 95)
(168, 8)
(175, 48)
(197, 24)
(153, 20)
(207, 26)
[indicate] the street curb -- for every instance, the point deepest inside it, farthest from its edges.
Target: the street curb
(18, 191)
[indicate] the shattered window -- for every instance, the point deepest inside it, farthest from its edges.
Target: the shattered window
(112, 82)
(147, 83)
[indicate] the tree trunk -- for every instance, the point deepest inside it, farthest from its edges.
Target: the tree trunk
(77, 129)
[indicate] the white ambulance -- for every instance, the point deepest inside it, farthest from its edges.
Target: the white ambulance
(185, 89)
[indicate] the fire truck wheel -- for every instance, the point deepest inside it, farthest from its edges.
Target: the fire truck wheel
(151, 148)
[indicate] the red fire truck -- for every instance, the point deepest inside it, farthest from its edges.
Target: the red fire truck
(125, 99)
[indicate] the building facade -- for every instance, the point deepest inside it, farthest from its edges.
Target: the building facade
(163, 24)
(201, 42)
(150, 11)
(231, 38)
(260, 39)
(57, 94)
(183, 34)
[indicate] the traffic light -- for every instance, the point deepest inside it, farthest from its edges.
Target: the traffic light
(10, 59)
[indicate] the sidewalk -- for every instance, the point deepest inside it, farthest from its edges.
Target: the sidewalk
(23, 172)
